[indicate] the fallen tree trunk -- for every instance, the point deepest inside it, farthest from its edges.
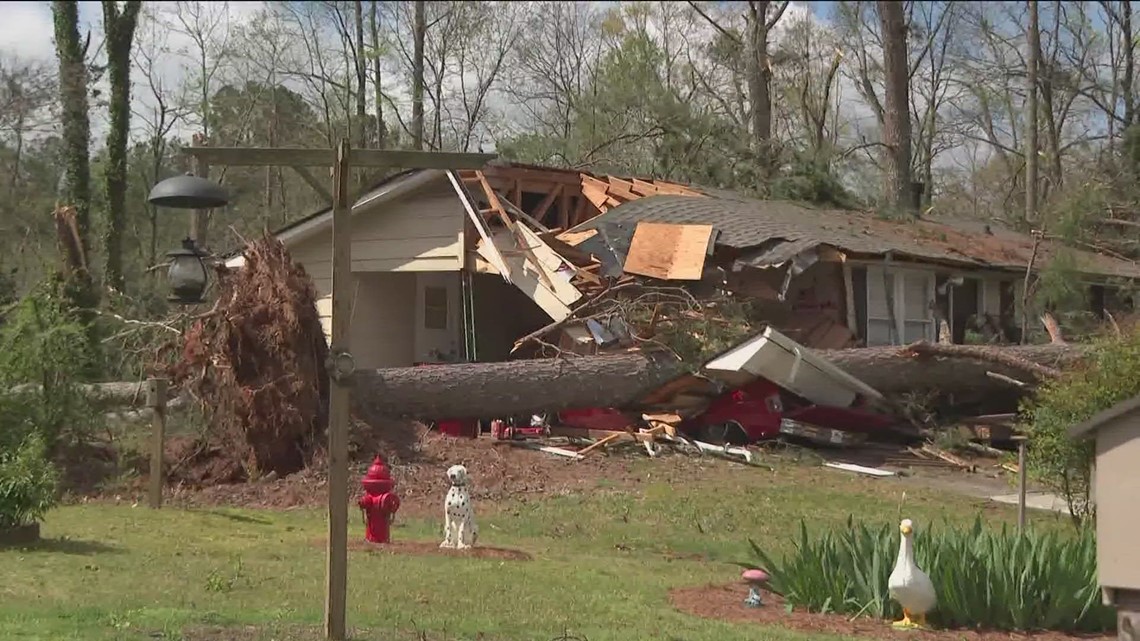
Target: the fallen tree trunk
(489, 390)
(547, 385)
(108, 395)
(951, 369)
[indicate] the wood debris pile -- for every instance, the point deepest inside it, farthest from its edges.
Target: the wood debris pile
(256, 364)
(654, 434)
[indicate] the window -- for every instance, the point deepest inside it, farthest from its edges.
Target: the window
(435, 308)
(911, 293)
(917, 296)
(879, 330)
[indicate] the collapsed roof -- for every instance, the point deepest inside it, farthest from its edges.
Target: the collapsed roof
(767, 233)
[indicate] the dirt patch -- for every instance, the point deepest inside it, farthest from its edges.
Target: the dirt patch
(293, 633)
(726, 603)
(429, 548)
(419, 458)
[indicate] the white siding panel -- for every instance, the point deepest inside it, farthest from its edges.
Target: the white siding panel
(383, 320)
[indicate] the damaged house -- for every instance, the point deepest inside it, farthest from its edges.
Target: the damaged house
(833, 279)
(457, 265)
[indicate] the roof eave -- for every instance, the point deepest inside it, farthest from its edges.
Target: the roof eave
(313, 225)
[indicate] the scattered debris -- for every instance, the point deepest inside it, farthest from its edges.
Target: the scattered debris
(860, 469)
(948, 457)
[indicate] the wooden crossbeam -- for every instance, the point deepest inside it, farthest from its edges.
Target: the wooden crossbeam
(497, 206)
(540, 211)
(288, 157)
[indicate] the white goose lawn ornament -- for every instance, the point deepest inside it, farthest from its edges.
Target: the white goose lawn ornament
(908, 584)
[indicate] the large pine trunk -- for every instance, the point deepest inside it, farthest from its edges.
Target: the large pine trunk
(489, 390)
(895, 370)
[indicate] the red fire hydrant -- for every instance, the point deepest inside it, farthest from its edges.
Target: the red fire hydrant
(379, 503)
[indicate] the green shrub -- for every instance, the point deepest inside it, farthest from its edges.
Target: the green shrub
(984, 578)
(44, 353)
(1062, 464)
(28, 483)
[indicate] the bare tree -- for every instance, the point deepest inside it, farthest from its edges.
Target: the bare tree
(158, 110)
(1034, 42)
(361, 76)
(762, 17)
(206, 25)
(378, 76)
(27, 94)
(896, 114)
(419, 32)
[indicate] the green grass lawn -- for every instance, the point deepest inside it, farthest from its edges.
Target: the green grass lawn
(603, 563)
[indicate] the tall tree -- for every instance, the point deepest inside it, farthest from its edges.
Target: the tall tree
(377, 67)
(71, 52)
(1033, 36)
(361, 78)
(119, 30)
(419, 31)
(760, 25)
(896, 117)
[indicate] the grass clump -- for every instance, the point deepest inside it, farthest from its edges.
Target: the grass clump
(985, 578)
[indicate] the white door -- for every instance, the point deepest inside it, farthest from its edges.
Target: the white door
(437, 317)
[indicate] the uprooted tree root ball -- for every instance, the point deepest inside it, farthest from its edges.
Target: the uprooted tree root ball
(256, 363)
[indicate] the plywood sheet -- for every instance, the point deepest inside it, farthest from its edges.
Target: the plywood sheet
(574, 238)
(668, 252)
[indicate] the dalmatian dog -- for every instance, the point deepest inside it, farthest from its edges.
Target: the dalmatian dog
(459, 529)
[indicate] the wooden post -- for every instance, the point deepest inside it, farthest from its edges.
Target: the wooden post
(199, 218)
(340, 364)
(1021, 483)
(156, 401)
(340, 374)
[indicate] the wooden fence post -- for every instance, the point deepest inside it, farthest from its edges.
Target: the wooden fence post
(156, 401)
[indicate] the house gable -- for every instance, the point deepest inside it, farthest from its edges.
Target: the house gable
(413, 223)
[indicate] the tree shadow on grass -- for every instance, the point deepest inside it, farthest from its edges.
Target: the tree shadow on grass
(67, 546)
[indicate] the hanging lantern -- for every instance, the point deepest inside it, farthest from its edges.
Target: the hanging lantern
(187, 274)
(188, 192)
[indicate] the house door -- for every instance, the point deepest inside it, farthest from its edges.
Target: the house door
(964, 306)
(437, 317)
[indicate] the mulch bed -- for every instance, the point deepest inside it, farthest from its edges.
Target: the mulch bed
(430, 548)
(726, 603)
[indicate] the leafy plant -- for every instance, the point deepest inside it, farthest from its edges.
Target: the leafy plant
(44, 351)
(1064, 465)
(985, 578)
(28, 483)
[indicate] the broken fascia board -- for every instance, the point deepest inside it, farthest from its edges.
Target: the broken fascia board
(492, 256)
(859, 469)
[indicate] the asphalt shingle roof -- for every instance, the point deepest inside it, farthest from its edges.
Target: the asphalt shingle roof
(747, 223)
